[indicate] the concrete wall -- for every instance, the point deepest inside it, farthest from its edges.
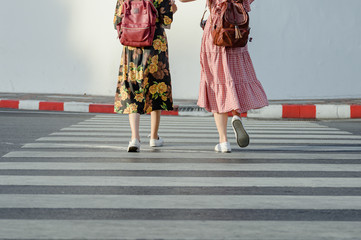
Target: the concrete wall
(301, 49)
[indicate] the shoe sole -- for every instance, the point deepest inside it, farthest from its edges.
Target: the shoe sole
(223, 151)
(133, 149)
(241, 134)
(151, 145)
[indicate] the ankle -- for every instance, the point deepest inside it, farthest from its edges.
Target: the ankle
(235, 113)
(156, 136)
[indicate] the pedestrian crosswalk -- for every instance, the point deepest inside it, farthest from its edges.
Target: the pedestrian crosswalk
(296, 180)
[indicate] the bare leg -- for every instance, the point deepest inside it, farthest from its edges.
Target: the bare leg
(155, 121)
(221, 123)
(134, 125)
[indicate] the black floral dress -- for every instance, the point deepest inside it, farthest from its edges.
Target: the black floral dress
(144, 82)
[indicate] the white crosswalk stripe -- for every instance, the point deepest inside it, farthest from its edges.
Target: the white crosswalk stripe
(180, 166)
(295, 180)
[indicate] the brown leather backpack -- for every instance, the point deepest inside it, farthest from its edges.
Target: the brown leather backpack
(230, 24)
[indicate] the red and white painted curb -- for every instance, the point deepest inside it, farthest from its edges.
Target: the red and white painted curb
(309, 111)
(63, 106)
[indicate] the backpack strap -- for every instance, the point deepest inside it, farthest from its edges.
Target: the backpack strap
(156, 10)
(203, 22)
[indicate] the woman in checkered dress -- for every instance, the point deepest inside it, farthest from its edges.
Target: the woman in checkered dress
(228, 84)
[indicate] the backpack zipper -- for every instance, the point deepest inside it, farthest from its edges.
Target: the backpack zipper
(135, 28)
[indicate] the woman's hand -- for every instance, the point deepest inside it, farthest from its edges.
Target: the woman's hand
(174, 7)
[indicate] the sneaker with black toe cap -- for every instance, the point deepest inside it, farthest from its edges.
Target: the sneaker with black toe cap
(134, 145)
(242, 137)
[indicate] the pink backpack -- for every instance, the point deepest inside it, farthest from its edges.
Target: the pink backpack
(138, 23)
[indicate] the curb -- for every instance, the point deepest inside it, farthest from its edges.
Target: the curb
(281, 111)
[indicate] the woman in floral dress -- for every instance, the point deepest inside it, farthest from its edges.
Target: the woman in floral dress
(144, 82)
(228, 84)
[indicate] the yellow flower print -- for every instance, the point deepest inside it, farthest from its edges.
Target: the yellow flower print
(132, 65)
(160, 1)
(119, 11)
(140, 75)
(162, 87)
(153, 68)
(157, 43)
(125, 70)
(149, 109)
(126, 111)
(133, 107)
(139, 97)
(164, 98)
(155, 59)
(115, 19)
(167, 20)
(118, 105)
(131, 48)
(153, 89)
(123, 95)
(133, 76)
(145, 82)
(163, 48)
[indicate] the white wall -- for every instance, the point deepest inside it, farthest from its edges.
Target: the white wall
(301, 49)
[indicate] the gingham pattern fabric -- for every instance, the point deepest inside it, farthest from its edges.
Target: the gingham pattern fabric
(228, 78)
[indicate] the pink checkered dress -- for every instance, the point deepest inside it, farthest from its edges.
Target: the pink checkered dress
(228, 78)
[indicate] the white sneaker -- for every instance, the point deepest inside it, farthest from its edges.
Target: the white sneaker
(224, 147)
(134, 145)
(156, 142)
(242, 137)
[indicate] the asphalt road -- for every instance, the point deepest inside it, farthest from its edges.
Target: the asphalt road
(352, 125)
(20, 127)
